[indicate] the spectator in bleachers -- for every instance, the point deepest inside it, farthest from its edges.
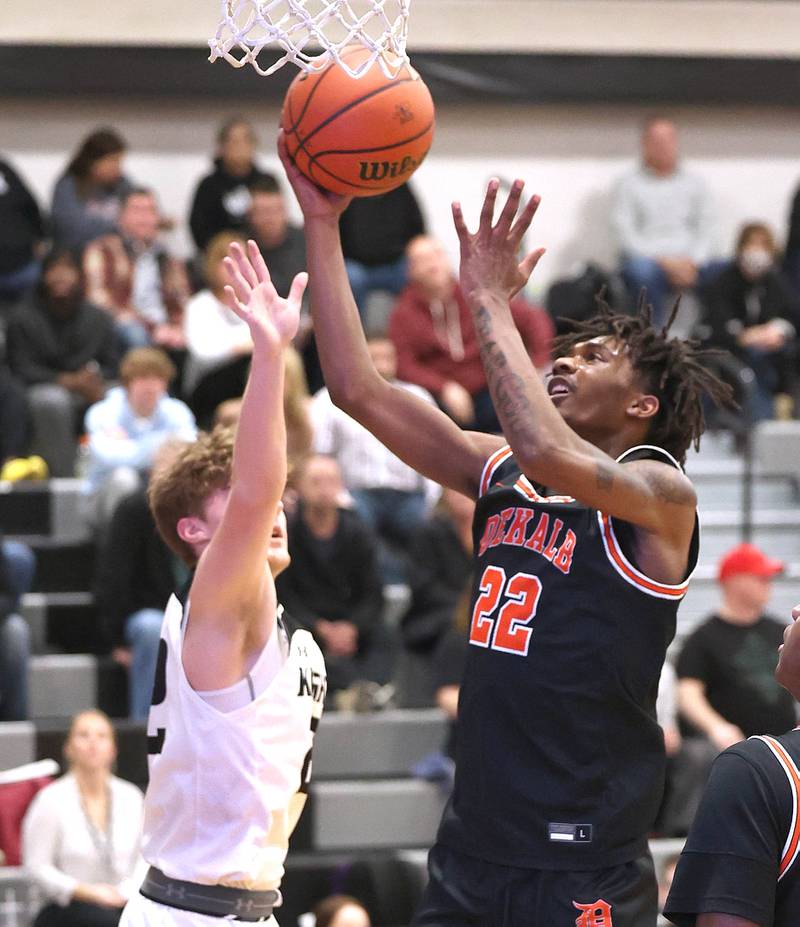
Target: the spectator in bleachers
(340, 911)
(64, 350)
(391, 497)
(791, 257)
(14, 420)
(663, 220)
(222, 198)
(282, 244)
(726, 689)
(296, 403)
(130, 274)
(126, 429)
(751, 310)
(80, 835)
(433, 629)
(218, 341)
(89, 194)
(17, 566)
(136, 574)
(21, 235)
(375, 233)
(332, 586)
(437, 348)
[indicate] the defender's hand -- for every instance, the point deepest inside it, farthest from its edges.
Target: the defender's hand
(490, 257)
(272, 320)
(315, 202)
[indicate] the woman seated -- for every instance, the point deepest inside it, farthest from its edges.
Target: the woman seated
(80, 835)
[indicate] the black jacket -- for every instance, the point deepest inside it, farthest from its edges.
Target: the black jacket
(135, 568)
(21, 225)
(221, 202)
(344, 587)
(40, 346)
(376, 229)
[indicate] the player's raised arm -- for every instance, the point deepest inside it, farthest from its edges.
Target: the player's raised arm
(418, 433)
(232, 599)
(647, 493)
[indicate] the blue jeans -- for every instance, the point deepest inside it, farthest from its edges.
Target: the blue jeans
(363, 279)
(17, 282)
(644, 272)
(20, 565)
(15, 650)
(132, 335)
(142, 632)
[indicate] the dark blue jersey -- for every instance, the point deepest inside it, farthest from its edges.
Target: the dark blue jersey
(741, 854)
(560, 761)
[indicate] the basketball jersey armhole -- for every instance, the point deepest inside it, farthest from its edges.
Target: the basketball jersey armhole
(499, 457)
(791, 848)
(622, 562)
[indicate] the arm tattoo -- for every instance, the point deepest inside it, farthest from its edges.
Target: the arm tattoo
(605, 476)
(508, 389)
(667, 488)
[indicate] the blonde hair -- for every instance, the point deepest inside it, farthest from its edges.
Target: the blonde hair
(146, 362)
(215, 251)
(181, 489)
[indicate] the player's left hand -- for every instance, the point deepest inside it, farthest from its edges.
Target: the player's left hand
(490, 258)
(271, 319)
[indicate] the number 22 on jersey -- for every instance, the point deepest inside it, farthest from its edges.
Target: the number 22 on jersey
(509, 629)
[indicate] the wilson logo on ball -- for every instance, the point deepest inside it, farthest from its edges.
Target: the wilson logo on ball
(380, 170)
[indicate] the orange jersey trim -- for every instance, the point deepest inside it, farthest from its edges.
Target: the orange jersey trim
(792, 846)
(629, 572)
(492, 464)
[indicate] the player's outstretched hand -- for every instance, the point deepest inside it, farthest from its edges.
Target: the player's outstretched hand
(272, 320)
(315, 202)
(490, 258)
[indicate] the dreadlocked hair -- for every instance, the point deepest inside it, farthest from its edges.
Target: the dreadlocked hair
(678, 372)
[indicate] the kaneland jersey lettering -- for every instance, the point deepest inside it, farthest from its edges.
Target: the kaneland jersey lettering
(226, 788)
(560, 760)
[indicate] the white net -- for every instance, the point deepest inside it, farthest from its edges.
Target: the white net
(312, 34)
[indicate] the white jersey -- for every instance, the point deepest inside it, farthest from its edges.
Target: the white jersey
(226, 788)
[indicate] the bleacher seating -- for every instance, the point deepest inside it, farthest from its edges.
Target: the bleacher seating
(368, 821)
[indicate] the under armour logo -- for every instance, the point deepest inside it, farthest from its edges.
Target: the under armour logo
(245, 905)
(174, 891)
(597, 914)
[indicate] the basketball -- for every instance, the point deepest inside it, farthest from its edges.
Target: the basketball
(358, 137)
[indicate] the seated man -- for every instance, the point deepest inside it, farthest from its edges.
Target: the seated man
(22, 234)
(375, 233)
(332, 586)
(752, 311)
(437, 348)
(136, 573)
(739, 867)
(132, 276)
(283, 245)
(128, 427)
(726, 689)
(64, 350)
(390, 496)
(663, 221)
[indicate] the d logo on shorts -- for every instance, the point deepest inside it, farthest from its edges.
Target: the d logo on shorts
(597, 914)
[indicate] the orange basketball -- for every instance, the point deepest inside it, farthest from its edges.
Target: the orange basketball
(362, 136)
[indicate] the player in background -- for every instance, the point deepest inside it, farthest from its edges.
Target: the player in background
(739, 866)
(236, 698)
(585, 537)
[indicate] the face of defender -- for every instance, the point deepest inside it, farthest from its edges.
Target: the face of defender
(594, 387)
(278, 554)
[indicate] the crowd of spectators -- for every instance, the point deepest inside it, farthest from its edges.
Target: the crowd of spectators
(116, 351)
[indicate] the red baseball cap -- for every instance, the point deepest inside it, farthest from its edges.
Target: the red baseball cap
(747, 558)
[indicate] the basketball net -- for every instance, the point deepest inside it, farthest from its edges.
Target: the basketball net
(312, 33)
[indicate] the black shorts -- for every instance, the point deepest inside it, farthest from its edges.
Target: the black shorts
(467, 892)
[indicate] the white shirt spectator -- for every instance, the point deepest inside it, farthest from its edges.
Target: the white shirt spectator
(58, 848)
(214, 335)
(365, 462)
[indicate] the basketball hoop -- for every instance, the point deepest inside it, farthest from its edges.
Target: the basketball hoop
(312, 33)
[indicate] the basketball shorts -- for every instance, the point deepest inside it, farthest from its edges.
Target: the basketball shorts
(467, 892)
(142, 912)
